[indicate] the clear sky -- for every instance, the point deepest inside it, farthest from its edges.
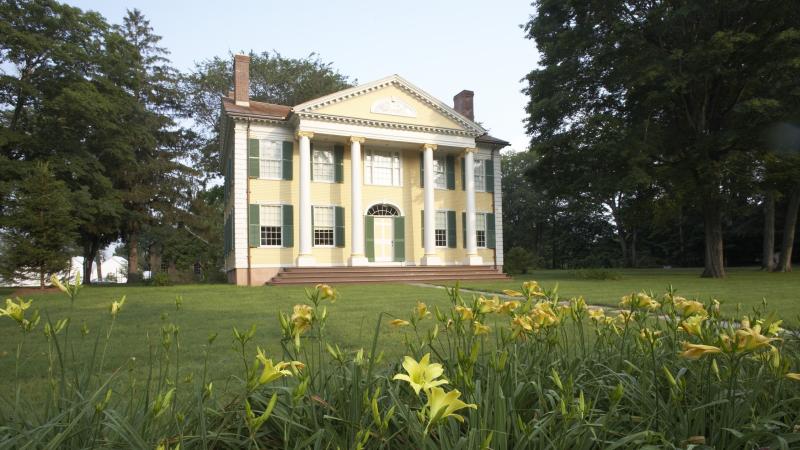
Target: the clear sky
(440, 46)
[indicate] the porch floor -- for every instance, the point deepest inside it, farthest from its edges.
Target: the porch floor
(384, 274)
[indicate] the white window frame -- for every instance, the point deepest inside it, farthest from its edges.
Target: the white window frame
(261, 224)
(368, 178)
(332, 208)
(314, 175)
(443, 212)
(480, 174)
(484, 230)
(442, 163)
(262, 147)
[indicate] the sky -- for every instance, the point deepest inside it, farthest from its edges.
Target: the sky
(440, 46)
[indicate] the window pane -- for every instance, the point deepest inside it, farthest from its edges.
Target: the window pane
(271, 163)
(440, 178)
(441, 228)
(270, 215)
(322, 165)
(480, 175)
(323, 216)
(271, 236)
(382, 168)
(480, 222)
(480, 238)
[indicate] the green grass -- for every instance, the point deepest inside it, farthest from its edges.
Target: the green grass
(745, 286)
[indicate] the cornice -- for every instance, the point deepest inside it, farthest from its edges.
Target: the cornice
(384, 124)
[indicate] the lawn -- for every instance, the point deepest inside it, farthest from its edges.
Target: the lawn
(209, 309)
(745, 286)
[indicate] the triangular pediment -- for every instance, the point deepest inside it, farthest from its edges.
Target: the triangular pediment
(388, 101)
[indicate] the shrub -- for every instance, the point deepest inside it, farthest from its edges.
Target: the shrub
(518, 260)
(596, 274)
(531, 372)
(161, 279)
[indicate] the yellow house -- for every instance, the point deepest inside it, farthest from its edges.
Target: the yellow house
(378, 175)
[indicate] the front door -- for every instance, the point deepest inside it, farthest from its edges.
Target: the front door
(384, 239)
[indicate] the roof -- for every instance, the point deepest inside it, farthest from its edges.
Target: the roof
(486, 139)
(256, 109)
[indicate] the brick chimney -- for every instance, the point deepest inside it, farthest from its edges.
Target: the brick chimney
(462, 103)
(241, 80)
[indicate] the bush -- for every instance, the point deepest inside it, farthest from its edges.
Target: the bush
(518, 260)
(596, 274)
(532, 372)
(161, 279)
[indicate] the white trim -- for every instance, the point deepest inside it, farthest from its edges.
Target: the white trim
(379, 134)
(239, 187)
(385, 202)
(313, 224)
(396, 80)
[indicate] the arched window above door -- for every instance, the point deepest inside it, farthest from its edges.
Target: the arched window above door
(383, 209)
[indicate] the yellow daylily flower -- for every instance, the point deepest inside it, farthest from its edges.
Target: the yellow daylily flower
(596, 314)
(751, 338)
(271, 372)
(116, 306)
(793, 376)
(693, 324)
(57, 283)
(697, 351)
(640, 300)
(479, 328)
(442, 405)
(399, 323)
(421, 375)
(648, 335)
(690, 307)
(302, 317)
(16, 311)
(521, 325)
(542, 315)
(532, 288)
(465, 313)
(512, 293)
(326, 292)
(507, 307)
(421, 310)
(486, 306)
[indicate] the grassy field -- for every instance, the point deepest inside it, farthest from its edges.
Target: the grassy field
(745, 286)
(209, 309)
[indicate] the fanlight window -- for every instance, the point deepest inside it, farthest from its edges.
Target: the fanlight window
(383, 210)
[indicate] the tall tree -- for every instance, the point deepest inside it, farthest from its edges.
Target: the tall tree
(38, 229)
(692, 83)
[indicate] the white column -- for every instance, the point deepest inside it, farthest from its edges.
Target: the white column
(357, 257)
(471, 258)
(430, 258)
(304, 258)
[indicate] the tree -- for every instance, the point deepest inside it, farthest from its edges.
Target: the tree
(692, 84)
(38, 229)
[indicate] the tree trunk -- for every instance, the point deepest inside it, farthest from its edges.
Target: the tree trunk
(789, 226)
(133, 257)
(633, 248)
(712, 223)
(768, 243)
(99, 268)
(89, 254)
(41, 278)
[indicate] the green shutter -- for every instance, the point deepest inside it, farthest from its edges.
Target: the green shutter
(463, 174)
(422, 169)
(489, 175)
(369, 237)
(338, 163)
(287, 233)
(311, 152)
(288, 152)
(312, 226)
(338, 235)
(450, 171)
(490, 238)
(451, 229)
(464, 229)
(255, 225)
(253, 158)
(399, 239)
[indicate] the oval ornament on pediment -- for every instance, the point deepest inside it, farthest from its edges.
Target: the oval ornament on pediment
(393, 106)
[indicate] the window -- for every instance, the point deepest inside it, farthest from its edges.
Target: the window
(270, 159)
(480, 175)
(440, 233)
(382, 168)
(382, 210)
(323, 165)
(480, 229)
(439, 173)
(164, 265)
(323, 225)
(271, 225)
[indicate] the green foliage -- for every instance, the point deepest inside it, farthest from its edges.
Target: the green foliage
(518, 261)
(37, 228)
(160, 279)
(596, 274)
(532, 372)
